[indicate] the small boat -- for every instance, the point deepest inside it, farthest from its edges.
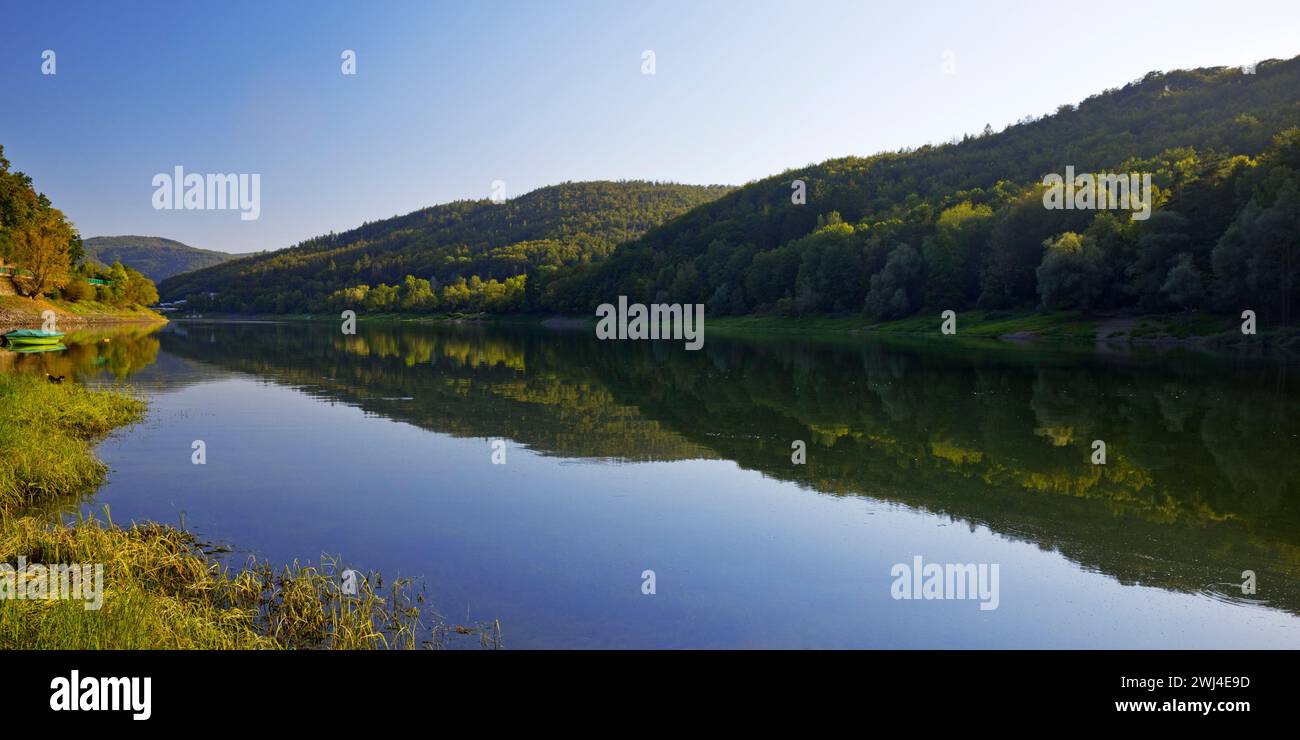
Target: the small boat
(32, 338)
(29, 349)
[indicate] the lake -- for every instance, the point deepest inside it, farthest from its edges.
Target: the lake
(614, 458)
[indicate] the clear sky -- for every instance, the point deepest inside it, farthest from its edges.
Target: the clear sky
(449, 97)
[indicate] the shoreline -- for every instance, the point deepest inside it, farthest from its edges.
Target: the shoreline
(25, 313)
(1211, 333)
(155, 586)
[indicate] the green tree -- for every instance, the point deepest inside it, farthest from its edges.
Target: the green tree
(1163, 238)
(950, 255)
(1069, 275)
(1184, 286)
(41, 248)
(894, 289)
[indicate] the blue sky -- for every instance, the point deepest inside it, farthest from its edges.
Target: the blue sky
(449, 97)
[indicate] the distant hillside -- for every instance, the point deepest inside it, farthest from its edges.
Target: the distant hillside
(154, 256)
(964, 224)
(553, 227)
(953, 226)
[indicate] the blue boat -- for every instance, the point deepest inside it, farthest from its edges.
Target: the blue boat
(32, 338)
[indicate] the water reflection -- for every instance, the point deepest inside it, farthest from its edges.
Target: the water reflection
(1201, 481)
(119, 351)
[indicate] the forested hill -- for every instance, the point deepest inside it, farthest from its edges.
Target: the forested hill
(480, 249)
(156, 258)
(953, 226)
(964, 224)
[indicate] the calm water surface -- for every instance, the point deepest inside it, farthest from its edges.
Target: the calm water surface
(623, 457)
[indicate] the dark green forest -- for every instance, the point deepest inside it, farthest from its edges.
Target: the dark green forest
(955, 226)
(462, 255)
(156, 258)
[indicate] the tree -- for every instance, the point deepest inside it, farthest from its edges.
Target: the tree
(1184, 285)
(951, 280)
(1257, 260)
(417, 294)
(42, 248)
(18, 203)
(1275, 251)
(1164, 237)
(1069, 275)
(893, 289)
(138, 289)
(1230, 260)
(1116, 239)
(1015, 249)
(77, 289)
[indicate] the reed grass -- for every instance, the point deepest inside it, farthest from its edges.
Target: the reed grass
(46, 433)
(162, 589)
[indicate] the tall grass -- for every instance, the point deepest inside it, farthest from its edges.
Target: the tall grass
(161, 588)
(161, 591)
(46, 432)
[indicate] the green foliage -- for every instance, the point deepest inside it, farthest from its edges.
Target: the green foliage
(560, 227)
(894, 289)
(1163, 238)
(951, 255)
(1070, 273)
(416, 295)
(46, 431)
(126, 286)
(1221, 148)
(1184, 286)
(46, 251)
(974, 208)
(156, 258)
(77, 290)
(1257, 260)
(162, 590)
(34, 236)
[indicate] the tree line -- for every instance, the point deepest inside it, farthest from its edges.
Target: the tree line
(964, 225)
(45, 255)
(479, 247)
(953, 226)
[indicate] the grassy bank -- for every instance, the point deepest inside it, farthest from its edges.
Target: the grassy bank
(161, 588)
(1192, 329)
(984, 324)
(46, 432)
(19, 312)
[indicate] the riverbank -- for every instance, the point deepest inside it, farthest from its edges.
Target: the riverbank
(386, 317)
(1197, 330)
(17, 312)
(153, 586)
